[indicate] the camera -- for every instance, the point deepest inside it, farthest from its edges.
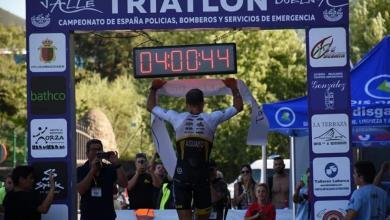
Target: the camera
(104, 155)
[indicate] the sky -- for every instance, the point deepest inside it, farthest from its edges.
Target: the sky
(16, 7)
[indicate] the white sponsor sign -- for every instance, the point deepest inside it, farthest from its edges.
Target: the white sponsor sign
(57, 212)
(327, 47)
(331, 176)
(48, 138)
(335, 209)
(47, 52)
(330, 133)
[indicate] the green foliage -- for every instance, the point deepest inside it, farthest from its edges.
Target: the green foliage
(369, 23)
(13, 93)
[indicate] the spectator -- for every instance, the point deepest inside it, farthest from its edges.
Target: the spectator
(219, 193)
(279, 184)
(262, 209)
(369, 201)
(7, 187)
(165, 197)
(141, 186)
(96, 182)
(244, 189)
(384, 170)
(301, 198)
(194, 130)
(22, 202)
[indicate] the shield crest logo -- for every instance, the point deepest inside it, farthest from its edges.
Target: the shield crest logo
(47, 51)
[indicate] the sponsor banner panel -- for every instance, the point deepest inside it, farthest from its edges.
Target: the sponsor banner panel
(57, 212)
(374, 108)
(327, 47)
(43, 170)
(330, 210)
(48, 138)
(330, 133)
(48, 95)
(329, 90)
(331, 176)
(168, 14)
(47, 52)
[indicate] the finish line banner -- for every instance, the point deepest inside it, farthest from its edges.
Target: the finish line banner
(183, 14)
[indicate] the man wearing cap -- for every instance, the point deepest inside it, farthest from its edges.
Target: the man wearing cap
(142, 184)
(194, 131)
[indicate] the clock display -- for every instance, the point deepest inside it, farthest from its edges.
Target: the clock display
(187, 60)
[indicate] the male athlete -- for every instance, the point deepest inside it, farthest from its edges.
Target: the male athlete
(194, 139)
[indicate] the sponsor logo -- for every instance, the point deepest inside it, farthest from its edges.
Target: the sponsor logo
(324, 49)
(378, 87)
(48, 138)
(333, 215)
(333, 15)
(327, 47)
(43, 170)
(48, 95)
(40, 20)
(331, 135)
(331, 170)
(331, 178)
(47, 51)
(285, 116)
(331, 4)
(44, 182)
(69, 6)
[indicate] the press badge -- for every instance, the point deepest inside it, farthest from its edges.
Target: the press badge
(96, 192)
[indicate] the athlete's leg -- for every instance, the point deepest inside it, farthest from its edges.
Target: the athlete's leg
(184, 214)
(202, 200)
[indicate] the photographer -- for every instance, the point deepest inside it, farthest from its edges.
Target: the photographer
(96, 181)
(142, 184)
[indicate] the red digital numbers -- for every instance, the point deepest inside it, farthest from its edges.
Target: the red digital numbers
(185, 60)
(209, 58)
(148, 67)
(226, 57)
(192, 59)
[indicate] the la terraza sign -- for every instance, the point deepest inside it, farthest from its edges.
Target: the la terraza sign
(184, 60)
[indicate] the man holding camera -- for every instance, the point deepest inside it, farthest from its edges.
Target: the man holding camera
(141, 186)
(96, 182)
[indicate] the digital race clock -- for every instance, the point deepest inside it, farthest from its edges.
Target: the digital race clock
(203, 59)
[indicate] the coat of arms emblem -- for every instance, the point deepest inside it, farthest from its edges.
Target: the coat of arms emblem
(47, 51)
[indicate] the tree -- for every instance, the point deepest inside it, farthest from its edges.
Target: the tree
(369, 23)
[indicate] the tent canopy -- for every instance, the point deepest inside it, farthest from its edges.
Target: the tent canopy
(370, 94)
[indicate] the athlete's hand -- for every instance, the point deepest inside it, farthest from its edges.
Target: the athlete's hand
(230, 83)
(158, 83)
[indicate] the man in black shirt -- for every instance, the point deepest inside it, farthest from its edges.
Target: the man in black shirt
(22, 202)
(96, 181)
(141, 186)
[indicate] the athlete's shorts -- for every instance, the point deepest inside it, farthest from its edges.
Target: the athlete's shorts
(184, 192)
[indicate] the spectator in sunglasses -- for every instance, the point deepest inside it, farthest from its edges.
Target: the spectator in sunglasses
(244, 189)
(142, 184)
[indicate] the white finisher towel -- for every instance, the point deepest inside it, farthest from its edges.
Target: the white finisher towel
(258, 130)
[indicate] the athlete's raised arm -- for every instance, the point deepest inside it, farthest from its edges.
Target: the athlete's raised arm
(156, 84)
(237, 99)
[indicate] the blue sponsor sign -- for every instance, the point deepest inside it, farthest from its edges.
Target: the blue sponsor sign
(183, 14)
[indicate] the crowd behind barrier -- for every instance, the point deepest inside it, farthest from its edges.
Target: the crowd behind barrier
(171, 214)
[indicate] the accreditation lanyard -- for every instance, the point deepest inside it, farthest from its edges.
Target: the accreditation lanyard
(96, 191)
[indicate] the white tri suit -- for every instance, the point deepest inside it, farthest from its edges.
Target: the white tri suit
(194, 141)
